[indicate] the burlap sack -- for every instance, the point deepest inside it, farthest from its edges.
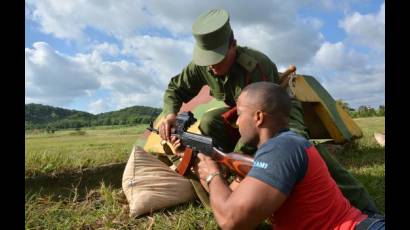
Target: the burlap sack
(150, 185)
(380, 138)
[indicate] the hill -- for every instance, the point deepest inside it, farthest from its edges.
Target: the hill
(38, 116)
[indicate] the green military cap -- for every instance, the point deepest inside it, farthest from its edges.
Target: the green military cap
(211, 31)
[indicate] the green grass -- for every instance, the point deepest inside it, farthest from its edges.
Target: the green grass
(105, 207)
(371, 124)
(365, 159)
(70, 150)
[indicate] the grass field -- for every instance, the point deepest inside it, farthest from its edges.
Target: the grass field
(365, 159)
(105, 207)
(69, 150)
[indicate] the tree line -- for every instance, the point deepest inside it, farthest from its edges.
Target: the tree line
(51, 118)
(363, 110)
(38, 116)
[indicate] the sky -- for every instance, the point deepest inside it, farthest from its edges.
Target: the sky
(104, 55)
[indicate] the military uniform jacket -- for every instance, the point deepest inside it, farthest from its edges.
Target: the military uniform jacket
(250, 66)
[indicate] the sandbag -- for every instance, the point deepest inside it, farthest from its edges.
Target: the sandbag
(150, 185)
(380, 138)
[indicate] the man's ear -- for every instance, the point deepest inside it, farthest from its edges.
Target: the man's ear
(259, 118)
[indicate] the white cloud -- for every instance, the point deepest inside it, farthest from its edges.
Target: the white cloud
(150, 98)
(314, 23)
(155, 43)
(330, 6)
(327, 4)
(54, 78)
(69, 19)
(348, 74)
(272, 26)
(99, 106)
(338, 57)
(106, 48)
(368, 29)
(359, 89)
(161, 58)
(354, 75)
(179, 16)
(303, 43)
(125, 77)
(129, 84)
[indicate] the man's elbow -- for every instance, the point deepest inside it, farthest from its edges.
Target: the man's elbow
(228, 225)
(229, 221)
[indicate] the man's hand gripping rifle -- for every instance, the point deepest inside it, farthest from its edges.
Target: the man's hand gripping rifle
(194, 143)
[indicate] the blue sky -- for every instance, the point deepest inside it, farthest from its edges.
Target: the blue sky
(99, 56)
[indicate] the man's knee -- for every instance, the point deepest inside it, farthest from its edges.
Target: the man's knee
(212, 124)
(210, 121)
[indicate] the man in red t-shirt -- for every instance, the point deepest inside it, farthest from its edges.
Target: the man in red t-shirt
(289, 181)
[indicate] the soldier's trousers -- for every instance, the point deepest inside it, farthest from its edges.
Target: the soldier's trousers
(212, 124)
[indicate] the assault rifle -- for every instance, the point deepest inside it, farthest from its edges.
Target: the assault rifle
(194, 143)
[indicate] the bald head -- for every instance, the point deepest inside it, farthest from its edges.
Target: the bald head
(268, 97)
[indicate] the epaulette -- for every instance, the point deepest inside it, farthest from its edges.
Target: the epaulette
(247, 62)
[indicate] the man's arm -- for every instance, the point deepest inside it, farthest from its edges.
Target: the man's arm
(271, 71)
(244, 208)
(235, 183)
(252, 202)
(182, 88)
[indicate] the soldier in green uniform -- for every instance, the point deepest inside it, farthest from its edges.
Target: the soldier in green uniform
(227, 68)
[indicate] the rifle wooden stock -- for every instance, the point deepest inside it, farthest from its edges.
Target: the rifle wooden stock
(194, 143)
(237, 162)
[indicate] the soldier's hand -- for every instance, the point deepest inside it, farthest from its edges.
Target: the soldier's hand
(178, 147)
(165, 126)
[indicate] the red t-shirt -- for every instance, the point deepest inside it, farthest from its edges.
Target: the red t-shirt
(314, 200)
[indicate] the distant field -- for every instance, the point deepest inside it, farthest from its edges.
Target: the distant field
(106, 208)
(371, 124)
(47, 153)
